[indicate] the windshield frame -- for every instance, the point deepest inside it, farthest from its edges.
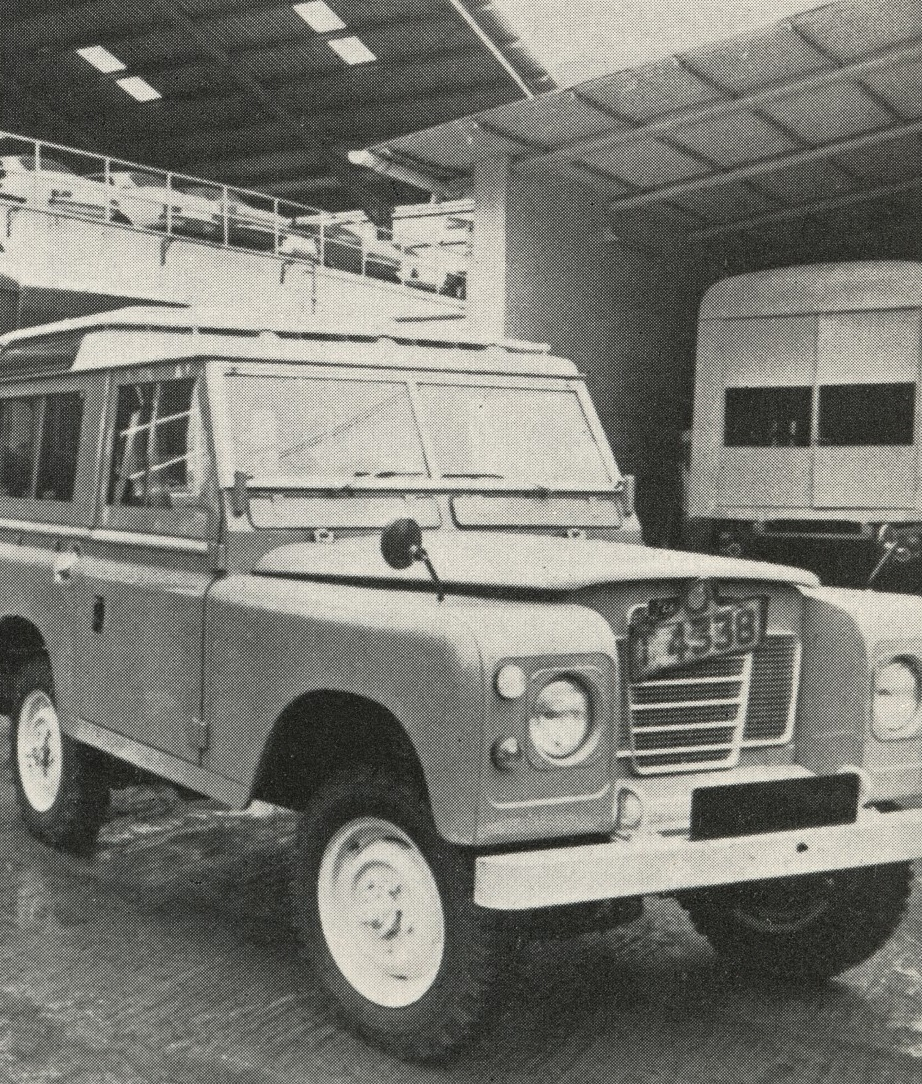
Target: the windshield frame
(219, 370)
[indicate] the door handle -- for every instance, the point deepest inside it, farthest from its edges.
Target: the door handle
(99, 612)
(64, 565)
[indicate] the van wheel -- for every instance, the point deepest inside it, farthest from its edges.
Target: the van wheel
(387, 919)
(803, 929)
(62, 796)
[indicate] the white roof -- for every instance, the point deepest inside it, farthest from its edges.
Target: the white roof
(143, 335)
(816, 288)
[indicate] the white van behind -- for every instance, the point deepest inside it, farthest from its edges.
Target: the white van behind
(806, 435)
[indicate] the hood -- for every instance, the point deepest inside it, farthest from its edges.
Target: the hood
(517, 562)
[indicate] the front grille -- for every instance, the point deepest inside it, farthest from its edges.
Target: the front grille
(775, 670)
(701, 716)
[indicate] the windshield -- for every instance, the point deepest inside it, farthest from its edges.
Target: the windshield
(297, 427)
(527, 435)
(511, 447)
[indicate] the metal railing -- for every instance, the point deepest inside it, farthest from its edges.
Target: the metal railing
(71, 183)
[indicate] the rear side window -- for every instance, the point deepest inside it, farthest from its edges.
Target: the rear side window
(39, 441)
(767, 417)
(867, 414)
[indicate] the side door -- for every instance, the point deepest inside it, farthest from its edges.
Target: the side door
(867, 407)
(768, 366)
(148, 564)
(48, 439)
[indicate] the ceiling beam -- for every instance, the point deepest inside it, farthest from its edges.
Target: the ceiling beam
(763, 166)
(294, 187)
(801, 210)
(360, 126)
(490, 45)
(672, 123)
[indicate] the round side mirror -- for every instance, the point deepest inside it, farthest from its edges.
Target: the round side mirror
(401, 543)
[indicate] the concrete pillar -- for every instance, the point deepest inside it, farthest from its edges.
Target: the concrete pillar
(488, 278)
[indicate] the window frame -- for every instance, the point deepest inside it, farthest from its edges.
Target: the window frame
(79, 510)
(174, 523)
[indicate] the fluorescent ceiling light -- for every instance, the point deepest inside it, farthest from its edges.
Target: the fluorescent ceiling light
(101, 59)
(139, 89)
(319, 16)
(352, 50)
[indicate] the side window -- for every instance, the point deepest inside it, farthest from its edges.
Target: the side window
(767, 417)
(57, 459)
(18, 431)
(864, 415)
(39, 441)
(158, 460)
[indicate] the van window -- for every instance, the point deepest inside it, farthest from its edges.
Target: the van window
(867, 414)
(768, 417)
(39, 440)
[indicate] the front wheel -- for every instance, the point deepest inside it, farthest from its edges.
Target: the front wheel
(387, 918)
(803, 929)
(63, 796)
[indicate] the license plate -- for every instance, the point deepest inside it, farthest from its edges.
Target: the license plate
(778, 805)
(725, 628)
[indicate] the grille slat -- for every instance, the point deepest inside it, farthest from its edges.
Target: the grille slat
(702, 717)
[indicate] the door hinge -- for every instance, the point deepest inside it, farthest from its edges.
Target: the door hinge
(199, 734)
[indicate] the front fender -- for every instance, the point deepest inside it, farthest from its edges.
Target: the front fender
(270, 641)
(846, 633)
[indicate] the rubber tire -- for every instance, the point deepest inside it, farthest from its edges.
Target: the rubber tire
(79, 810)
(477, 944)
(862, 909)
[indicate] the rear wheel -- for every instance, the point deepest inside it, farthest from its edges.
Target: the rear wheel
(803, 929)
(62, 795)
(387, 918)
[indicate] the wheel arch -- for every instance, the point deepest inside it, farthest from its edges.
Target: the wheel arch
(322, 733)
(20, 639)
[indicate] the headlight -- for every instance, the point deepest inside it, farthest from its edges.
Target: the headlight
(897, 700)
(560, 720)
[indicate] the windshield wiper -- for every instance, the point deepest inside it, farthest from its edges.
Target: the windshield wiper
(476, 475)
(389, 474)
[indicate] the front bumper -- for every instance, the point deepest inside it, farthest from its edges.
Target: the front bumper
(652, 863)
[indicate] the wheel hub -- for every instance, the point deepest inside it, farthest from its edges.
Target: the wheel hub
(381, 912)
(39, 750)
(785, 906)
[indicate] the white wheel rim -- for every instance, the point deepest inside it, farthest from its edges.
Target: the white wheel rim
(381, 912)
(38, 751)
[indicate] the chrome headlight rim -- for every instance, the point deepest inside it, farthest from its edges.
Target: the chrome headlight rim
(588, 743)
(891, 721)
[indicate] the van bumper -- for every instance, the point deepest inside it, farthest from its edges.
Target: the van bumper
(650, 863)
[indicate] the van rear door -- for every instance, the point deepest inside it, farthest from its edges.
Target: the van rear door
(767, 366)
(867, 410)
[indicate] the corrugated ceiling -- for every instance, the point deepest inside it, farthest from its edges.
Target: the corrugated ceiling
(819, 112)
(251, 94)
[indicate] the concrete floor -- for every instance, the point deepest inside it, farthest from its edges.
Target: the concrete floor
(167, 957)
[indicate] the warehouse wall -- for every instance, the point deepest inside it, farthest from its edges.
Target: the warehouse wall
(627, 318)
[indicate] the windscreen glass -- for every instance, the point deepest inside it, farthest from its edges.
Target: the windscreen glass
(529, 435)
(333, 434)
(294, 427)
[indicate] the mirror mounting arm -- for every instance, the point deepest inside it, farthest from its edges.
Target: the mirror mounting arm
(419, 554)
